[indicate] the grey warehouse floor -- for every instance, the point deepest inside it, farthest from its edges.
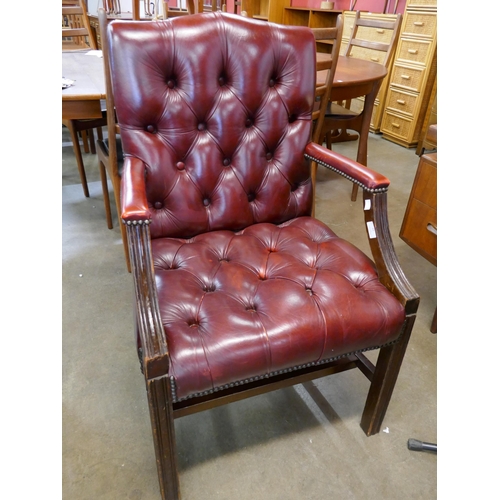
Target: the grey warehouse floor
(301, 443)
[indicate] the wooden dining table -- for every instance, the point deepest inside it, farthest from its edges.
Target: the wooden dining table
(356, 78)
(83, 99)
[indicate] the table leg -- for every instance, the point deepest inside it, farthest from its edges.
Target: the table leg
(78, 156)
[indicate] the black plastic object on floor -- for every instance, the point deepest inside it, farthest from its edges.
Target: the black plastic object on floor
(416, 445)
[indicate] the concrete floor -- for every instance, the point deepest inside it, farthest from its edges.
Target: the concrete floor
(300, 443)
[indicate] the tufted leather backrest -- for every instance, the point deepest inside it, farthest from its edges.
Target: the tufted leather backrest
(218, 107)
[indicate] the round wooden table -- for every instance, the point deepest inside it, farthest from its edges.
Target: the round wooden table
(356, 78)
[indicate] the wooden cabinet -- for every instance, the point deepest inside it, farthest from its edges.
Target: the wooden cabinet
(413, 74)
(419, 228)
(266, 10)
(373, 35)
(313, 18)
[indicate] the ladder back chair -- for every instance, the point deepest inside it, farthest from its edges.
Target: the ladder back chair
(338, 116)
(76, 31)
(109, 150)
(325, 65)
(238, 290)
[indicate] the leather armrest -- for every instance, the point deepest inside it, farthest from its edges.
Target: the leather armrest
(134, 204)
(363, 176)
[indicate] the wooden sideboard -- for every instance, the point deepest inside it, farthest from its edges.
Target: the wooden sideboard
(419, 228)
(413, 74)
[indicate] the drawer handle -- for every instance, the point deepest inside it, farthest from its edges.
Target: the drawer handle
(380, 31)
(432, 228)
(396, 125)
(400, 101)
(413, 51)
(405, 77)
(374, 59)
(418, 23)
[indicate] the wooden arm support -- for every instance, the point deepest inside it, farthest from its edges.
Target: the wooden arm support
(136, 215)
(379, 236)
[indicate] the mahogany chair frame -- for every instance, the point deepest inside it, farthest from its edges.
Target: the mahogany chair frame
(154, 349)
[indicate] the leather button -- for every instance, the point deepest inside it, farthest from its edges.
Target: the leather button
(151, 129)
(171, 84)
(269, 156)
(226, 162)
(180, 165)
(158, 205)
(291, 118)
(201, 126)
(222, 81)
(248, 122)
(251, 196)
(272, 82)
(206, 202)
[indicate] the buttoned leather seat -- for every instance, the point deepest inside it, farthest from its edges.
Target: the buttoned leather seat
(265, 300)
(238, 289)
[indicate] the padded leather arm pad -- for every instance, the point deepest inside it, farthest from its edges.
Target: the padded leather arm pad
(134, 203)
(363, 176)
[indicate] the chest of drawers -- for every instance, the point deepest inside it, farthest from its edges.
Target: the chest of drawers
(413, 74)
(419, 228)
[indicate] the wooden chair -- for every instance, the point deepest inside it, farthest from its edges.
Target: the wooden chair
(109, 151)
(239, 291)
(76, 32)
(198, 6)
(77, 36)
(339, 117)
(332, 37)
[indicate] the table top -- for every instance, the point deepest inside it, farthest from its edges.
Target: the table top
(351, 71)
(88, 73)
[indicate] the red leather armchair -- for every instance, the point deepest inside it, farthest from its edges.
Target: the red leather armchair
(238, 290)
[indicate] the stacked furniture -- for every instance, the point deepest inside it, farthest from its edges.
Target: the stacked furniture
(413, 74)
